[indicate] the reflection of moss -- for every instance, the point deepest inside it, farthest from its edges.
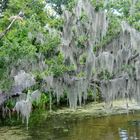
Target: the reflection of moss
(37, 117)
(10, 121)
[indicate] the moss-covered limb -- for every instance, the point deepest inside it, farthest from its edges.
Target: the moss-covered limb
(118, 11)
(113, 32)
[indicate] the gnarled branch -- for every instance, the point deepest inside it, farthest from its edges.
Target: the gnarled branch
(13, 19)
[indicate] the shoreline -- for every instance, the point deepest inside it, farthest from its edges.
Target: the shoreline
(98, 110)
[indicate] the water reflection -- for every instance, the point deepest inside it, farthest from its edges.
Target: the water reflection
(121, 127)
(13, 133)
(123, 134)
(132, 132)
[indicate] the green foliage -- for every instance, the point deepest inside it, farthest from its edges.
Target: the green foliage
(99, 5)
(17, 45)
(55, 23)
(50, 48)
(81, 74)
(124, 7)
(42, 102)
(84, 17)
(81, 40)
(69, 4)
(56, 65)
(83, 58)
(57, 4)
(21, 44)
(134, 20)
(93, 94)
(113, 31)
(105, 75)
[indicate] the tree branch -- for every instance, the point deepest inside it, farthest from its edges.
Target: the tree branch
(133, 57)
(13, 18)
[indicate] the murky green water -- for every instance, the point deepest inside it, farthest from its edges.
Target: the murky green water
(120, 127)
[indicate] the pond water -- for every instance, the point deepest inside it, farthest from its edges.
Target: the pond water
(119, 127)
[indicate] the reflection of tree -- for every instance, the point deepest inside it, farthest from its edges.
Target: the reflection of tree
(132, 132)
(123, 134)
